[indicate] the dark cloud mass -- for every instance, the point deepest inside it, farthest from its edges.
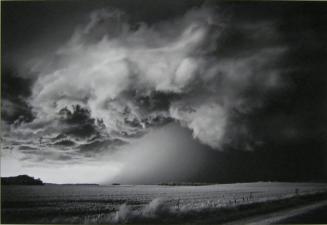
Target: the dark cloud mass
(243, 82)
(14, 91)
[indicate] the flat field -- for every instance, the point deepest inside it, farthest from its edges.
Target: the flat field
(144, 203)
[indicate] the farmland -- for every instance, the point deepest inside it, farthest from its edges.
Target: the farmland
(139, 203)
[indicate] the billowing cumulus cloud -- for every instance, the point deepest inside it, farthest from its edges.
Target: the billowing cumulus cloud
(114, 80)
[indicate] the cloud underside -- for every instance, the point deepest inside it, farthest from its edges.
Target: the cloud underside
(114, 81)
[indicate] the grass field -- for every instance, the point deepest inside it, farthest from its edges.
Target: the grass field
(141, 203)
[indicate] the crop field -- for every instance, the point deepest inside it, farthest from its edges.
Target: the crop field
(135, 203)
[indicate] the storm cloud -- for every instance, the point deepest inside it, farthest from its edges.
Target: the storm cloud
(113, 70)
(233, 81)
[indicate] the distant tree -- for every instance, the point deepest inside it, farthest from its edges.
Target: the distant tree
(21, 180)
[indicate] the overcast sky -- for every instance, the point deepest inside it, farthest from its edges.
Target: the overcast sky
(156, 91)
